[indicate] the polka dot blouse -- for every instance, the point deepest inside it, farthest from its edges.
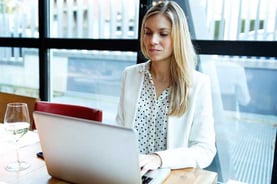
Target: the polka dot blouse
(151, 117)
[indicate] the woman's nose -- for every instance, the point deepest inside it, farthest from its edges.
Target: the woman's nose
(154, 39)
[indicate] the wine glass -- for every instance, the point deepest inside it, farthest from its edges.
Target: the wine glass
(17, 123)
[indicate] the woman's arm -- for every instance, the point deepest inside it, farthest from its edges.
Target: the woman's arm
(197, 149)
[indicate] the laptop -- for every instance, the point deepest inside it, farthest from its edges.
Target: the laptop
(84, 151)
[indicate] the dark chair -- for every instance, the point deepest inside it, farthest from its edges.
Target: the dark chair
(76, 111)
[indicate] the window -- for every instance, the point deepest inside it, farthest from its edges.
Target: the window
(19, 71)
(94, 19)
(234, 20)
(103, 41)
(89, 77)
(19, 65)
(74, 51)
(243, 87)
(19, 18)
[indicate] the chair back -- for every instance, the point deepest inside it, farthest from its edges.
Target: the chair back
(76, 111)
(6, 98)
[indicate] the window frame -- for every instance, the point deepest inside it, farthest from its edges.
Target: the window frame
(44, 43)
(207, 47)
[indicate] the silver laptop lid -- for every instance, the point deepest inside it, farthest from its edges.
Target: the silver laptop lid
(82, 151)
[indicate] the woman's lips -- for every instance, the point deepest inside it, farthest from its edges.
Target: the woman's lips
(154, 50)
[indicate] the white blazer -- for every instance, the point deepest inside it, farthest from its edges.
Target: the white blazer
(190, 137)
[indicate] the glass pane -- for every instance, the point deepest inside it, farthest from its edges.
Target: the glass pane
(96, 19)
(19, 71)
(19, 18)
(244, 98)
(234, 20)
(90, 78)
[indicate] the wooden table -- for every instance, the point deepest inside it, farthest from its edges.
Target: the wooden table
(37, 173)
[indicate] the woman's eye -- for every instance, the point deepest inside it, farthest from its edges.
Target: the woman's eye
(147, 33)
(164, 34)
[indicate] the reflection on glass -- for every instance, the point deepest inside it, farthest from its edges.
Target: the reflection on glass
(19, 18)
(94, 19)
(244, 103)
(90, 78)
(19, 71)
(234, 20)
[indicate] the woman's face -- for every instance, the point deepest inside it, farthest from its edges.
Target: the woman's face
(157, 38)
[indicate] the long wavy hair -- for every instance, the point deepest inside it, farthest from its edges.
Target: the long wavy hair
(183, 58)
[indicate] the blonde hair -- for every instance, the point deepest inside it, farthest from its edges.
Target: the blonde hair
(183, 58)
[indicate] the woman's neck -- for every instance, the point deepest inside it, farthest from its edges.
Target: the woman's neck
(160, 71)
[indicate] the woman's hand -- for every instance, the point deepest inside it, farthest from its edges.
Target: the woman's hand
(149, 162)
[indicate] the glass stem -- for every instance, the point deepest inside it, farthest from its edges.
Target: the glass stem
(17, 153)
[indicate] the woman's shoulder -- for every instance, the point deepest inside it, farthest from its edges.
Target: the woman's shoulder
(200, 83)
(199, 77)
(137, 67)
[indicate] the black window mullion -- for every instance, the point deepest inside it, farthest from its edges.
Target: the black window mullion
(44, 65)
(236, 48)
(93, 44)
(143, 7)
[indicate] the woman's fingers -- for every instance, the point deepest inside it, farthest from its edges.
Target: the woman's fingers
(149, 162)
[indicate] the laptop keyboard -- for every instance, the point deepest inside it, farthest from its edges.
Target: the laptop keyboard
(146, 179)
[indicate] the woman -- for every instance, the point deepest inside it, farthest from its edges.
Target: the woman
(165, 99)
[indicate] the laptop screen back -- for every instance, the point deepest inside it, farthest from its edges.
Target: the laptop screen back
(82, 151)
